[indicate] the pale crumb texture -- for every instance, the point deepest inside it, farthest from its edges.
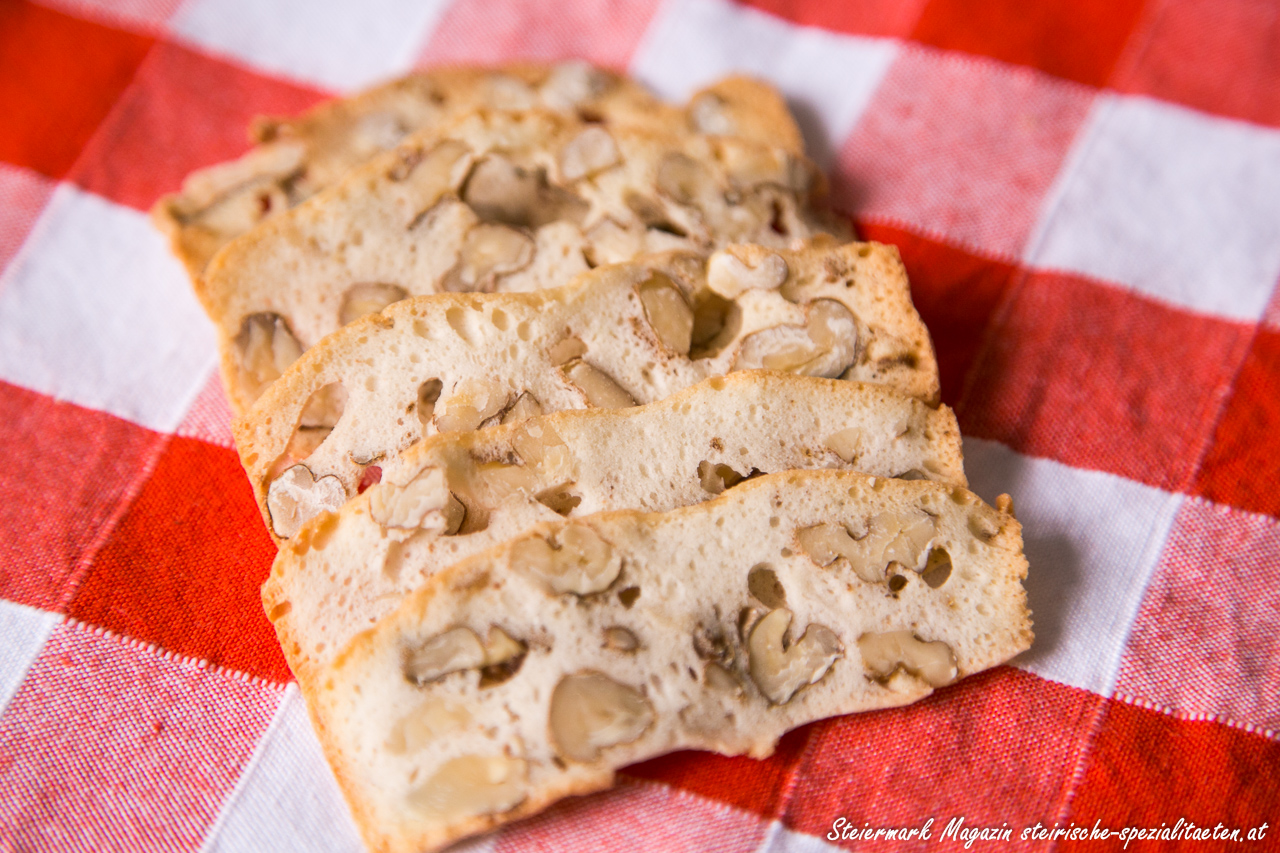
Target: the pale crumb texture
(619, 335)
(500, 201)
(533, 671)
(343, 571)
(295, 158)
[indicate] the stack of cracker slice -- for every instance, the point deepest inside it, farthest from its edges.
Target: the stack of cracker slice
(586, 435)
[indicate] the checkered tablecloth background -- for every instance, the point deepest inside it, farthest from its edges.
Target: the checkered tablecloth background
(1087, 197)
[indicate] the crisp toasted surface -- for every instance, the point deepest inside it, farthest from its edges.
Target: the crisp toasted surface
(295, 158)
(501, 685)
(498, 201)
(342, 573)
(490, 357)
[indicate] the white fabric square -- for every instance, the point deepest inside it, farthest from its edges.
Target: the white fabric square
(23, 632)
(780, 839)
(1174, 203)
(209, 418)
(1093, 541)
(287, 798)
(1271, 317)
(23, 194)
(96, 311)
(828, 78)
(333, 43)
(147, 15)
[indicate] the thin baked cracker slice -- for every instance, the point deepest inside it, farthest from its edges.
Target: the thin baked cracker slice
(459, 493)
(293, 159)
(535, 670)
(621, 335)
(495, 201)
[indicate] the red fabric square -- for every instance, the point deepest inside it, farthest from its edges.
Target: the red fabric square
(23, 195)
(960, 148)
(1147, 769)
(1220, 56)
(760, 787)
(1207, 639)
(956, 293)
(184, 110)
(866, 17)
(1242, 467)
(67, 474)
(61, 76)
(1103, 378)
(184, 566)
(495, 31)
(1077, 39)
(108, 745)
(1000, 747)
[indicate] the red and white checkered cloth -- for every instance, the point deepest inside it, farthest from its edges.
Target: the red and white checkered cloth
(1087, 197)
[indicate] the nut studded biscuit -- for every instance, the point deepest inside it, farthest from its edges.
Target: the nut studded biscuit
(620, 335)
(295, 158)
(458, 493)
(535, 670)
(495, 201)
